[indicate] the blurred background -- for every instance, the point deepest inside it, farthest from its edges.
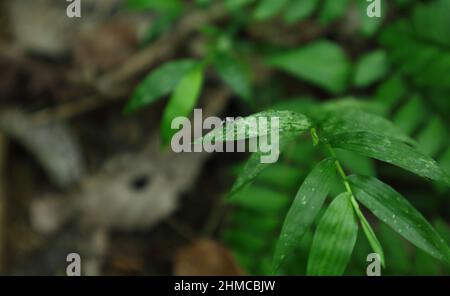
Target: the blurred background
(78, 174)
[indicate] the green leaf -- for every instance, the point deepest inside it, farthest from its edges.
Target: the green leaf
(237, 4)
(333, 10)
(290, 123)
(235, 75)
(433, 137)
(304, 209)
(390, 92)
(268, 8)
(356, 120)
(298, 10)
(411, 115)
(396, 249)
(444, 161)
(313, 63)
(369, 25)
(182, 102)
(334, 239)
(159, 5)
(392, 151)
(393, 209)
(419, 45)
(160, 25)
(345, 104)
(254, 167)
(159, 83)
(368, 231)
(370, 68)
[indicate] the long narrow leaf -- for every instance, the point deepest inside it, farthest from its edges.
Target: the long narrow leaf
(159, 83)
(394, 210)
(254, 166)
(235, 74)
(290, 123)
(391, 151)
(334, 239)
(312, 63)
(304, 209)
(182, 102)
(357, 120)
(370, 235)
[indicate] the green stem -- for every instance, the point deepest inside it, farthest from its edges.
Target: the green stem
(340, 169)
(373, 241)
(343, 175)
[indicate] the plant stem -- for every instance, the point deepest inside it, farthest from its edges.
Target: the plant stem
(340, 169)
(343, 175)
(371, 237)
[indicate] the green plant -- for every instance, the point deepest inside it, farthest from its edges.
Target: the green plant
(400, 76)
(336, 232)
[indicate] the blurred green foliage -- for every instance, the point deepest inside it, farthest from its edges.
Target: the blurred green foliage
(391, 69)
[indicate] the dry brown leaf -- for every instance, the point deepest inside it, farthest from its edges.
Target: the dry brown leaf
(205, 257)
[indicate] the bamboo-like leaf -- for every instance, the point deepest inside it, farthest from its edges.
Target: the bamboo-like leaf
(369, 25)
(268, 8)
(235, 74)
(334, 239)
(182, 102)
(394, 210)
(254, 167)
(332, 10)
(312, 63)
(370, 234)
(392, 151)
(304, 209)
(356, 120)
(289, 123)
(298, 10)
(158, 5)
(370, 68)
(159, 83)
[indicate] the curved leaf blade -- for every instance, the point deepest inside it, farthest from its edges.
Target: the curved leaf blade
(159, 83)
(392, 151)
(312, 63)
(304, 209)
(298, 10)
(370, 68)
(290, 123)
(334, 239)
(234, 74)
(370, 235)
(182, 102)
(357, 120)
(254, 167)
(268, 8)
(393, 209)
